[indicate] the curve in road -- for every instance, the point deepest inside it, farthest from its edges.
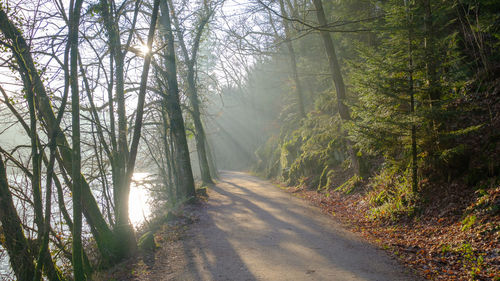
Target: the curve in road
(252, 230)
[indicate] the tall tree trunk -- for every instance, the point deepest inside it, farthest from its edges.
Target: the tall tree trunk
(176, 188)
(211, 160)
(337, 78)
(431, 62)
(185, 173)
(414, 168)
(35, 166)
(430, 55)
(77, 256)
(16, 244)
(199, 136)
(170, 179)
(142, 97)
(44, 257)
(192, 90)
(123, 230)
(44, 260)
(293, 61)
(130, 165)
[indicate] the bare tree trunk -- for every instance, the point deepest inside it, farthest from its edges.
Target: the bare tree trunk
(337, 78)
(77, 257)
(122, 226)
(200, 137)
(430, 58)
(44, 260)
(36, 167)
(185, 173)
(173, 163)
(211, 160)
(431, 63)
(293, 61)
(172, 181)
(123, 230)
(192, 89)
(142, 97)
(15, 243)
(414, 168)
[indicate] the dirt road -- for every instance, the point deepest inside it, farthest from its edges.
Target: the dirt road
(252, 230)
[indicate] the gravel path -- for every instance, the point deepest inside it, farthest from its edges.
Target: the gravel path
(252, 230)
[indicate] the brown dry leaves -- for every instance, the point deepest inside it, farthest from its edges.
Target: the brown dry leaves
(436, 247)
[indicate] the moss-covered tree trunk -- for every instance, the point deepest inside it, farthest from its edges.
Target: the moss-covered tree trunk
(16, 244)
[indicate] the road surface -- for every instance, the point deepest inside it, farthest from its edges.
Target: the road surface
(252, 230)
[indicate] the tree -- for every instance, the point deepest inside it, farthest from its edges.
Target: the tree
(31, 83)
(192, 88)
(16, 243)
(120, 154)
(172, 104)
(337, 78)
(74, 21)
(123, 158)
(293, 60)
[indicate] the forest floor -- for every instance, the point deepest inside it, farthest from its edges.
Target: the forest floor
(249, 229)
(439, 244)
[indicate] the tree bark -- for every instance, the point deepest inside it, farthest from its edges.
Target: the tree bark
(142, 97)
(414, 168)
(170, 173)
(200, 136)
(44, 259)
(293, 61)
(433, 87)
(77, 250)
(192, 91)
(337, 79)
(172, 102)
(16, 244)
(123, 230)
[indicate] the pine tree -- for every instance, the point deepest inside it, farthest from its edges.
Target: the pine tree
(388, 80)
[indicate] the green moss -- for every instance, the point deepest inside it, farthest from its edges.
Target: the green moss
(468, 222)
(391, 196)
(147, 242)
(323, 179)
(350, 185)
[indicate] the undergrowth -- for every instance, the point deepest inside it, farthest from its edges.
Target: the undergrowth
(391, 196)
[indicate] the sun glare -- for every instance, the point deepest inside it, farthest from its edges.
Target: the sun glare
(139, 208)
(144, 49)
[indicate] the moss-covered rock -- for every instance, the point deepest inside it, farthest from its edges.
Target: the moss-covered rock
(147, 242)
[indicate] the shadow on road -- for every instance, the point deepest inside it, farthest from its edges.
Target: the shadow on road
(251, 230)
